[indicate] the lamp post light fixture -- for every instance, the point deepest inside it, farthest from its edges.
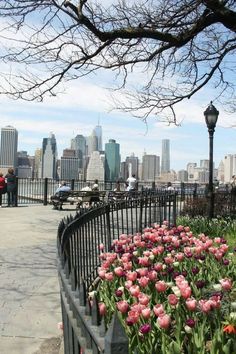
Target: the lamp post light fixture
(211, 115)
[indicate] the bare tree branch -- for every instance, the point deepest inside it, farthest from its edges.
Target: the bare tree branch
(177, 46)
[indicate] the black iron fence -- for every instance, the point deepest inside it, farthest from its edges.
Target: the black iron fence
(79, 238)
(191, 199)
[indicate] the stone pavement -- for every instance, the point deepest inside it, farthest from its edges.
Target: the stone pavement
(29, 291)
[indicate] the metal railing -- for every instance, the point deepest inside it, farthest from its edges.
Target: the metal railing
(78, 259)
(192, 199)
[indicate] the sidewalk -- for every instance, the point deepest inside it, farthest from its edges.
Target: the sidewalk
(29, 291)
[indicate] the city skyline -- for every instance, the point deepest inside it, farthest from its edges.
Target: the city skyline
(68, 115)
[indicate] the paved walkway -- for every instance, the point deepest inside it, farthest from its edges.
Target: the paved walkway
(29, 292)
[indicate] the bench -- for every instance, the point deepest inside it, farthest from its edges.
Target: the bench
(81, 198)
(122, 195)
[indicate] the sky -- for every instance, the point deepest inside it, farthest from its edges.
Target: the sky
(84, 103)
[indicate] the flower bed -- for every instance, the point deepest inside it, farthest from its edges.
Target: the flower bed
(174, 291)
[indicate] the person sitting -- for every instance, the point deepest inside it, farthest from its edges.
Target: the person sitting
(61, 194)
(170, 188)
(95, 186)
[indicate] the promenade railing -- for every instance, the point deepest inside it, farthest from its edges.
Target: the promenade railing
(79, 238)
(192, 198)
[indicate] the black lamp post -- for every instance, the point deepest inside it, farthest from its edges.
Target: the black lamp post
(211, 115)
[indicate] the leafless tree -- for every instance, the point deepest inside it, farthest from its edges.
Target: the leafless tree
(177, 46)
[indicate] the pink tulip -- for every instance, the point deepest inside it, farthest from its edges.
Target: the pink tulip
(102, 308)
(186, 292)
(158, 309)
(101, 247)
(134, 290)
(101, 273)
(122, 306)
(137, 307)
(143, 299)
(205, 305)
(127, 266)
(146, 313)
(173, 300)
(180, 228)
(152, 275)
(179, 257)
(191, 304)
(226, 284)
(131, 276)
(128, 284)
(144, 261)
(109, 276)
(142, 271)
(164, 321)
(161, 286)
(119, 271)
(158, 267)
(143, 281)
(133, 316)
(168, 260)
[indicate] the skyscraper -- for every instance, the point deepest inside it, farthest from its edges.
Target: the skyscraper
(112, 160)
(92, 143)
(79, 145)
(98, 132)
(131, 166)
(150, 167)
(8, 154)
(49, 157)
(95, 169)
(69, 165)
(165, 156)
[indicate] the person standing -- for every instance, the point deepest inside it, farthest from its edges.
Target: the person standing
(132, 183)
(3, 186)
(11, 187)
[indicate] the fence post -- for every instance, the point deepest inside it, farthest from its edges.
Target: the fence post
(45, 192)
(116, 340)
(108, 226)
(16, 195)
(140, 227)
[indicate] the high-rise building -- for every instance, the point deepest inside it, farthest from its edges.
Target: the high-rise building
(182, 176)
(25, 165)
(79, 145)
(69, 166)
(150, 167)
(230, 167)
(49, 157)
(112, 160)
(191, 166)
(165, 156)
(221, 172)
(131, 166)
(8, 153)
(37, 163)
(98, 133)
(92, 143)
(95, 169)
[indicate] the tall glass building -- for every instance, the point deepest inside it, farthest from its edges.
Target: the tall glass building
(165, 156)
(98, 132)
(8, 153)
(112, 160)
